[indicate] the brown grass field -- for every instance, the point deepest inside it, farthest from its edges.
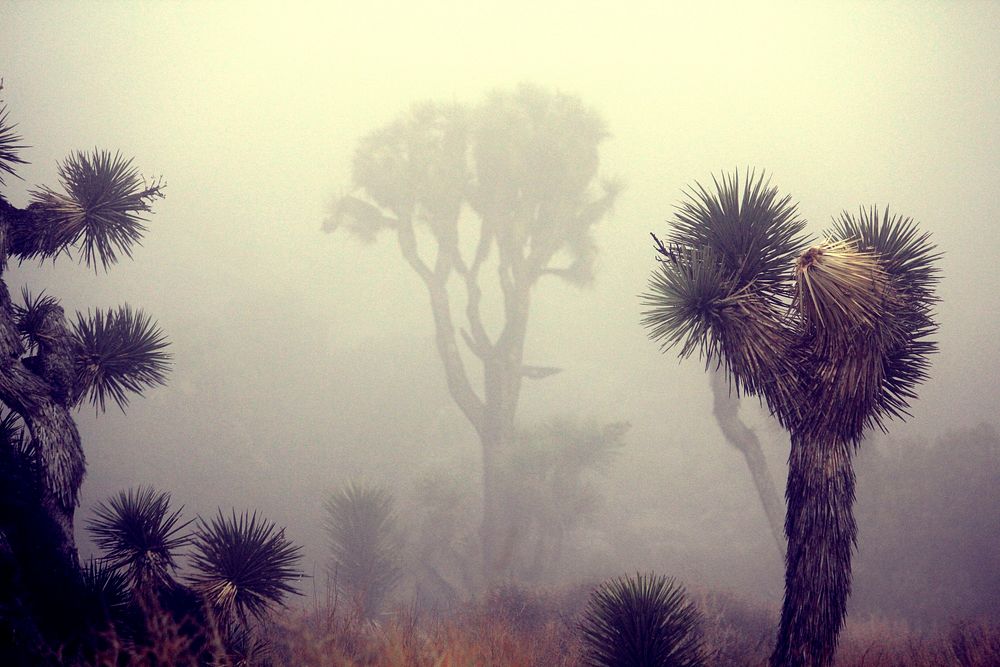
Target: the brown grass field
(514, 627)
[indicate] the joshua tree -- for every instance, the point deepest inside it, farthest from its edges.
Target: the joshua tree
(48, 365)
(831, 335)
(553, 468)
(509, 188)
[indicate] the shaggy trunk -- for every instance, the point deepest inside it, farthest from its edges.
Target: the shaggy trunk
(40, 389)
(726, 407)
(821, 536)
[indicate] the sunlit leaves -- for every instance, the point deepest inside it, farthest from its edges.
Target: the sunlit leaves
(243, 565)
(119, 352)
(839, 288)
(645, 620)
(100, 211)
(909, 260)
(138, 533)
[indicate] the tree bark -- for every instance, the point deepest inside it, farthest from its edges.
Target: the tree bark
(821, 535)
(41, 389)
(726, 407)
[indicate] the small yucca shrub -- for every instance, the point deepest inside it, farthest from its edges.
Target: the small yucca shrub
(646, 621)
(243, 565)
(365, 544)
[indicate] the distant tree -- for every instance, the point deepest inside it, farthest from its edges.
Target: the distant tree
(365, 543)
(726, 408)
(553, 468)
(510, 185)
(48, 366)
(832, 335)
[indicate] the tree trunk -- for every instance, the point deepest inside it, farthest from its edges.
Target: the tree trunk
(40, 389)
(821, 536)
(726, 409)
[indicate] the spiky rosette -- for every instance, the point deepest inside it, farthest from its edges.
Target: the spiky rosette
(30, 316)
(754, 234)
(119, 351)
(106, 586)
(139, 534)
(645, 620)
(100, 212)
(907, 259)
(9, 146)
(688, 297)
(243, 565)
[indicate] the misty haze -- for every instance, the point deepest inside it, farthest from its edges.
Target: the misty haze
(477, 334)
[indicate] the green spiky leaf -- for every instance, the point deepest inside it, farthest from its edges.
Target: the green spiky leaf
(138, 533)
(243, 565)
(100, 212)
(119, 352)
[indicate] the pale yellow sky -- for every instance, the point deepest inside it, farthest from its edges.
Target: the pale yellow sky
(251, 112)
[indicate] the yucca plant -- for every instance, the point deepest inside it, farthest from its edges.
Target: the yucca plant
(139, 535)
(107, 587)
(641, 621)
(243, 565)
(365, 545)
(47, 366)
(831, 334)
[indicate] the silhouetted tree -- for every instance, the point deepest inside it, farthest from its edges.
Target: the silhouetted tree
(510, 185)
(726, 408)
(553, 467)
(831, 335)
(48, 365)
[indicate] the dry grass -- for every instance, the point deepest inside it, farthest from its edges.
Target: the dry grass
(515, 627)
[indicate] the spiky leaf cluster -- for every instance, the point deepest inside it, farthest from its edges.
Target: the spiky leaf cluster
(30, 316)
(643, 621)
(243, 565)
(9, 145)
(119, 352)
(365, 543)
(100, 211)
(832, 335)
(139, 535)
(107, 586)
(908, 261)
(722, 286)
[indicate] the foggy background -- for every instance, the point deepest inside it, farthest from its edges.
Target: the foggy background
(303, 360)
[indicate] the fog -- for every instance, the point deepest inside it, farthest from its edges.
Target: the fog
(304, 360)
